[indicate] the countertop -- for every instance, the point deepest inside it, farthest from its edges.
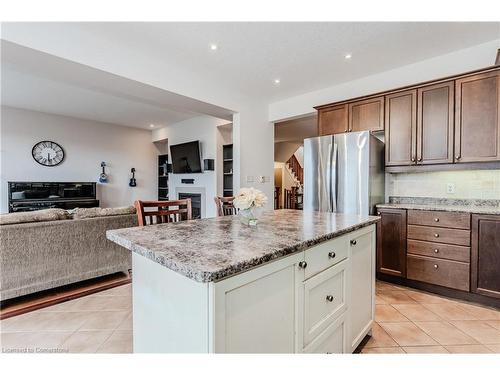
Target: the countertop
(474, 206)
(486, 210)
(208, 250)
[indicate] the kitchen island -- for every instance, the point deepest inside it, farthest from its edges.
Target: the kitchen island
(296, 282)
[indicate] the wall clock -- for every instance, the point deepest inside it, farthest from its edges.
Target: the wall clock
(48, 153)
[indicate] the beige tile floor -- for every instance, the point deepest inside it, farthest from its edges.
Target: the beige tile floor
(407, 321)
(410, 321)
(99, 323)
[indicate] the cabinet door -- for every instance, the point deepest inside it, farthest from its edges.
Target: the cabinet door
(257, 311)
(366, 115)
(400, 128)
(435, 124)
(477, 121)
(485, 255)
(362, 285)
(332, 120)
(391, 242)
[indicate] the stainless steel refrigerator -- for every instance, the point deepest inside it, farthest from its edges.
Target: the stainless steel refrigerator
(344, 173)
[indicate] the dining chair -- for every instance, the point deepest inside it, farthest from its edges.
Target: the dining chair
(163, 211)
(225, 206)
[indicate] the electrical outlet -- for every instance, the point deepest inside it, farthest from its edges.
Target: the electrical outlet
(450, 188)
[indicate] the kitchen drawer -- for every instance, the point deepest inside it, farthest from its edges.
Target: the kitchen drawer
(332, 340)
(457, 220)
(442, 272)
(442, 235)
(324, 255)
(439, 250)
(324, 297)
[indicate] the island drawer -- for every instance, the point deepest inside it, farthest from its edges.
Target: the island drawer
(441, 235)
(325, 255)
(457, 220)
(333, 340)
(439, 250)
(442, 272)
(324, 297)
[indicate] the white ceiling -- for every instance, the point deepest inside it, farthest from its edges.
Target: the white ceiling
(37, 81)
(304, 56)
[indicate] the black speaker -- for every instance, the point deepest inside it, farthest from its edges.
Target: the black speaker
(208, 164)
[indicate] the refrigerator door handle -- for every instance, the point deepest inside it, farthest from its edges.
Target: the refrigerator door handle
(332, 188)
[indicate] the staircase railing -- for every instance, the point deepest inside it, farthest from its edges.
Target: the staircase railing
(296, 168)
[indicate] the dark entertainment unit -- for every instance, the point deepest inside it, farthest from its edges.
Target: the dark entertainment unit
(163, 170)
(32, 196)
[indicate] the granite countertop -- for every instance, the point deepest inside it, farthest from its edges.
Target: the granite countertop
(208, 250)
(475, 206)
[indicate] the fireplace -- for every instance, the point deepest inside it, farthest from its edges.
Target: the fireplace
(195, 203)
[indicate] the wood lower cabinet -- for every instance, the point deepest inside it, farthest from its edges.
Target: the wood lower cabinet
(435, 112)
(391, 242)
(400, 128)
(333, 120)
(455, 250)
(485, 255)
(477, 121)
(367, 114)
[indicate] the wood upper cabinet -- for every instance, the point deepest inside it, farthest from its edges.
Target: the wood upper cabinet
(435, 118)
(367, 114)
(485, 255)
(477, 118)
(400, 128)
(391, 242)
(333, 120)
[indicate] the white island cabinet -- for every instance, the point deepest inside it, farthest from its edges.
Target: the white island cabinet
(317, 300)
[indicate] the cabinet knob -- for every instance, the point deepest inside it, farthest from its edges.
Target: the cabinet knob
(302, 264)
(350, 130)
(458, 157)
(353, 242)
(436, 235)
(436, 266)
(419, 159)
(331, 254)
(412, 159)
(436, 219)
(436, 251)
(329, 298)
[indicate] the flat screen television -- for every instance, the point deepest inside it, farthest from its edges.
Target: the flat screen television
(186, 157)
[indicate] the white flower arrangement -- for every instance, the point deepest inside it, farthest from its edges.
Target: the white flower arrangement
(248, 198)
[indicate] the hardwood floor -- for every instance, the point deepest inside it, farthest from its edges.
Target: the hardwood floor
(407, 321)
(51, 297)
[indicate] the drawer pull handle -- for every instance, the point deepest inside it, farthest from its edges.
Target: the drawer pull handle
(436, 266)
(329, 298)
(436, 219)
(331, 255)
(302, 264)
(436, 235)
(436, 251)
(353, 242)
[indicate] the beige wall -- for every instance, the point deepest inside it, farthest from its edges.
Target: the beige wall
(468, 184)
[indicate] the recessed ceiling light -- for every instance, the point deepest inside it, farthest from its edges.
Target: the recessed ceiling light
(151, 125)
(347, 56)
(213, 47)
(277, 81)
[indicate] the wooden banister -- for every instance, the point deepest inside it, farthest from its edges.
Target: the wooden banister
(296, 168)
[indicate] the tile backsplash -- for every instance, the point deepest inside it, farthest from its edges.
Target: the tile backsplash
(482, 184)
